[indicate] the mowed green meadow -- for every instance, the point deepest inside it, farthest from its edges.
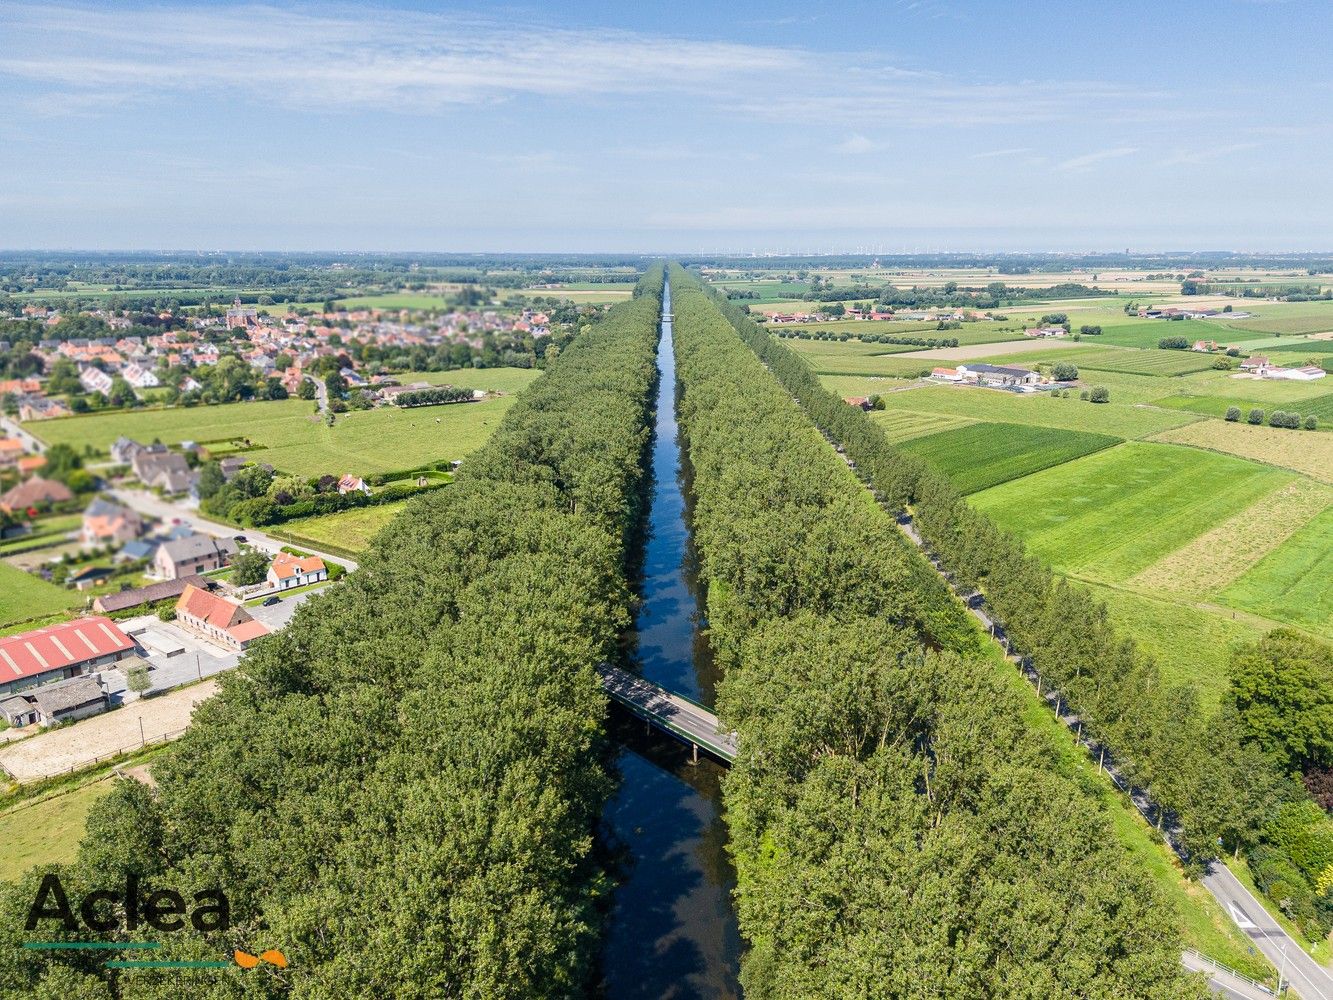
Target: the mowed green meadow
(24, 596)
(1109, 515)
(982, 455)
(47, 831)
(291, 436)
(1294, 582)
(1119, 419)
(348, 529)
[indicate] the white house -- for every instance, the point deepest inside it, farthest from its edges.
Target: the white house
(95, 380)
(288, 571)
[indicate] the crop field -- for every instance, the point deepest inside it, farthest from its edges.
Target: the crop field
(1216, 406)
(982, 455)
(294, 439)
(601, 295)
(1264, 391)
(46, 831)
(1120, 359)
(1300, 451)
(904, 425)
(1039, 410)
(1110, 515)
(348, 529)
(24, 596)
(1292, 583)
(1228, 550)
(1283, 317)
(845, 349)
(970, 333)
(855, 358)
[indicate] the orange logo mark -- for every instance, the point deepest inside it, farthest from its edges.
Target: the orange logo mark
(273, 957)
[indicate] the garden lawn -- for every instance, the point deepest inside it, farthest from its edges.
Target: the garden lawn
(1039, 410)
(294, 439)
(349, 529)
(985, 454)
(1292, 583)
(46, 831)
(24, 596)
(1110, 515)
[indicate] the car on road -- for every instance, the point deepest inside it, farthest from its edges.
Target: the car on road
(270, 601)
(239, 538)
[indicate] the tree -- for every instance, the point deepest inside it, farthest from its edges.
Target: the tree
(249, 568)
(306, 390)
(1256, 416)
(137, 678)
(1282, 688)
(210, 479)
(1233, 413)
(1063, 371)
(1100, 394)
(1311, 422)
(252, 481)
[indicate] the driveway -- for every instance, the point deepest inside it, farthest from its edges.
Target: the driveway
(165, 510)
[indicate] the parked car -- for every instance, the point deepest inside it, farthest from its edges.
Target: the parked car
(239, 538)
(270, 601)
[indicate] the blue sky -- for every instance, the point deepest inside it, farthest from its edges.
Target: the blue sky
(900, 125)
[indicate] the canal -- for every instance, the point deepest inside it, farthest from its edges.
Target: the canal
(672, 931)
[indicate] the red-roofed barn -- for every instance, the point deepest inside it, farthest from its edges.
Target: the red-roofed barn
(55, 652)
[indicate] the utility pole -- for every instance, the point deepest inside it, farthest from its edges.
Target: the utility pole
(142, 741)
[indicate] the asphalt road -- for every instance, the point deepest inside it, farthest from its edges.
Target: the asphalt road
(1308, 979)
(147, 503)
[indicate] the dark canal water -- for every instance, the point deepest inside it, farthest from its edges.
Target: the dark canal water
(672, 930)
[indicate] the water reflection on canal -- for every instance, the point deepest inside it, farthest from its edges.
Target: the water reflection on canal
(672, 930)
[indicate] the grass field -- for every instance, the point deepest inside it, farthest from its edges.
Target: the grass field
(856, 358)
(905, 425)
(1119, 359)
(1292, 583)
(1216, 406)
(1039, 410)
(290, 436)
(24, 596)
(349, 529)
(47, 831)
(1300, 451)
(969, 334)
(1283, 317)
(982, 455)
(490, 379)
(1190, 643)
(1229, 549)
(1110, 515)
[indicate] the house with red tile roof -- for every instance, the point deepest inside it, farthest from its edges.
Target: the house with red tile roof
(69, 649)
(288, 571)
(34, 493)
(217, 619)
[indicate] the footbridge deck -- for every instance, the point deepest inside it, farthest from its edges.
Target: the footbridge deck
(669, 712)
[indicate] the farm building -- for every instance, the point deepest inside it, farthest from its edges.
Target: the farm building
(217, 619)
(998, 375)
(56, 652)
(66, 701)
(137, 596)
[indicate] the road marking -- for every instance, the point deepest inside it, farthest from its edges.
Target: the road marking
(1238, 915)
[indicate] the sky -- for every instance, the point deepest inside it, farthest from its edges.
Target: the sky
(878, 127)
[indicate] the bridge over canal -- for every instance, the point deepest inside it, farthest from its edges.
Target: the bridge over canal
(671, 713)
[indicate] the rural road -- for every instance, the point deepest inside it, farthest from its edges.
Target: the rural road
(146, 503)
(1308, 979)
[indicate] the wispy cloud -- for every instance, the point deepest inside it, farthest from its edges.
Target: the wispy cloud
(1088, 159)
(69, 57)
(857, 144)
(991, 154)
(1202, 154)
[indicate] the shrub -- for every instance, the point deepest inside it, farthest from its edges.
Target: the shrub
(1233, 413)
(1256, 416)
(1083, 394)
(1174, 343)
(1311, 423)
(1222, 365)
(1100, 394)
(1063, 371)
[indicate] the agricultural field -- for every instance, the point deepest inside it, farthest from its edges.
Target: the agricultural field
(599, 295)
(1190, 643)
(1118, 419)
(1110, 515)
(1121, 359)
(1292, 583)
(47, 830)
(294, 439)
(905, 425)
(1301, 451)
(970, 333)
(982, 455)
(1216, 406)
(349, 529)
(855, 358)
(1283, 317)
(24, 596)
